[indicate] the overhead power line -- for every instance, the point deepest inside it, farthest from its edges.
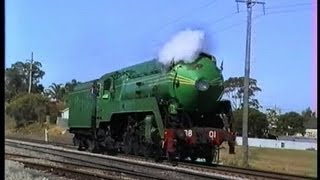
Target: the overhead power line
(256, 17)
(290, 5)
(188, 14)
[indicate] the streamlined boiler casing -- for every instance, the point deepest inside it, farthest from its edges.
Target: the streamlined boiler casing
(184, 82)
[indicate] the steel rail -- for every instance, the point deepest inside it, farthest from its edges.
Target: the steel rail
(218, 169)
(159, 171)
(75, 168)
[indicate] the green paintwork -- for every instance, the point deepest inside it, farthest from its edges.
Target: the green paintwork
(81, 106)
(134, 89)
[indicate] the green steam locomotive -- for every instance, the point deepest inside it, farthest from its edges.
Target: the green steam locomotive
(155, 110)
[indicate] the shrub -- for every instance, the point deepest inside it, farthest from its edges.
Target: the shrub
(27, 108)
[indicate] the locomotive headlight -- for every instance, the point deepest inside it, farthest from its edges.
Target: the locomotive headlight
(202, 85)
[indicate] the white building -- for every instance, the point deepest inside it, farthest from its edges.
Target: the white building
(284, 143)
(65, 113)
(63, 120)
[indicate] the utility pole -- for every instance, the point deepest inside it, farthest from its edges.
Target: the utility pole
(250, 4)
(30, 73)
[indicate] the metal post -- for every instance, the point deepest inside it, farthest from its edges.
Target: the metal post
(246, 87)
(30, 74)
(46, 134)
(249, 4)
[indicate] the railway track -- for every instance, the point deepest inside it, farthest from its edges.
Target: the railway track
(234, 171)
(152, 170)
(184, 169)
(75, 170)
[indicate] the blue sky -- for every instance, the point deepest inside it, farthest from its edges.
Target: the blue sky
(79, 40)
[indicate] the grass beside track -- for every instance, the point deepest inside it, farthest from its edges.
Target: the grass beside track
(299, 162)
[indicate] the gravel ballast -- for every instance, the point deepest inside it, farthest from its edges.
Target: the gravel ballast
(17, 171)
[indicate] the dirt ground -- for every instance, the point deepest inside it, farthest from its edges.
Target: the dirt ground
(301, 162)
(37, 131)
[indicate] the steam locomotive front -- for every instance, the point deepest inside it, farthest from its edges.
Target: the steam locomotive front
(197, 88)
(197, 85)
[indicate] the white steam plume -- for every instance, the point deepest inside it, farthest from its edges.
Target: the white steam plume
(185, 45)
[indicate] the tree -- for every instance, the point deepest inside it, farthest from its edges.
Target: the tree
(14, 83)
(234, 90)
(310, 118)
(308, 114)
(17, 79)
(56, 91)
(290, 123)
(69, 86)
(273, 118)
(257, 123)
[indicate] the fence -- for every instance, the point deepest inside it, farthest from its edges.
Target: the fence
(281, 144)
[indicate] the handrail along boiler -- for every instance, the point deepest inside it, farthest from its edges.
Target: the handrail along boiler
(154, 109)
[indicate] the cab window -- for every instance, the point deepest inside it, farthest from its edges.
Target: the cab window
(107, 85)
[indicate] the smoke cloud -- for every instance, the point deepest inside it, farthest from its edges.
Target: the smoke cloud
(185, 45)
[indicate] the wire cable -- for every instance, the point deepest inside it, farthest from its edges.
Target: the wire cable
(190, 12)
(256, 17)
